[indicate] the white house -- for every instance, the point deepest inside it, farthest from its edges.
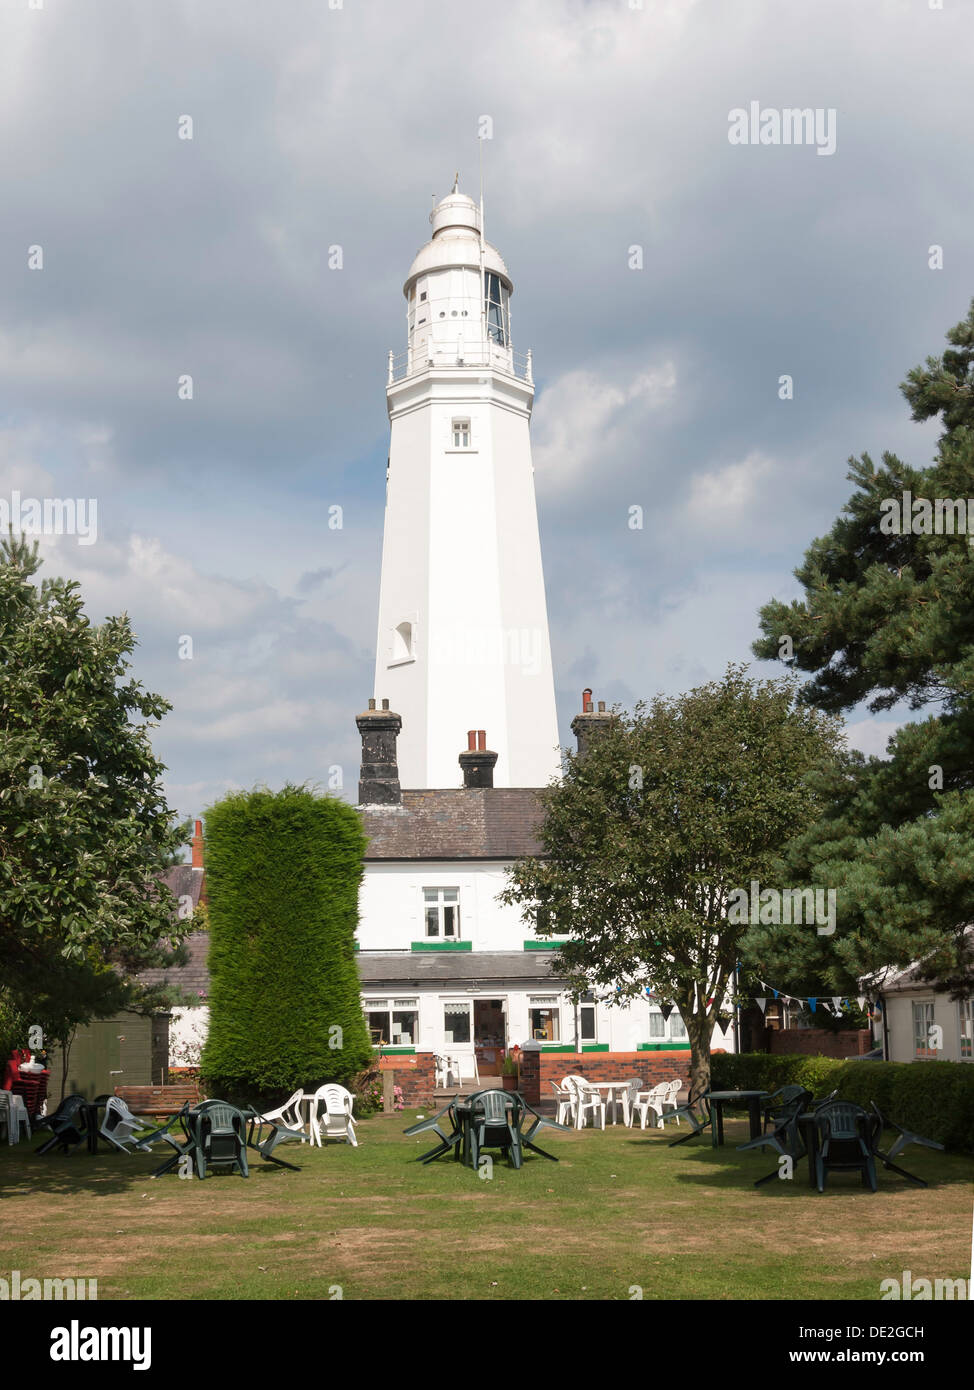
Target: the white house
(914, 1022)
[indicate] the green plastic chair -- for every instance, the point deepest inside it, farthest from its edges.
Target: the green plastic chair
(540, 1122)
(66, 1124)
(779, 1103)
(494, 1126)
(785, 1138)
(696, 1109)
(906, 1137)
(220, 1141)
(845, 1142)
(279, 1134)
(447, 1141)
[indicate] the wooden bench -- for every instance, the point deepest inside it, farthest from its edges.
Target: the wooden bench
(159, 1100)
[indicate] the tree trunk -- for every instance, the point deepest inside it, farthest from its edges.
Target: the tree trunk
(699, 1030)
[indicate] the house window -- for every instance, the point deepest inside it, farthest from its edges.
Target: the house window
(457, 1022)
(586, 1020)
(544, 1018)
(966, 1009)
(393, 1022)
(677, 1029)
(461, 434)
(442, 912)
(657, 1024)
(922, 1020)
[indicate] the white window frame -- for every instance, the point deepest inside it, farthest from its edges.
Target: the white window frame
(441, 905)
(926, 1052)
(455, 1006)
(462, 434)
(965, 1016)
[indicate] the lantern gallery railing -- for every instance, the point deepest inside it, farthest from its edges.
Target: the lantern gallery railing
(498, 359)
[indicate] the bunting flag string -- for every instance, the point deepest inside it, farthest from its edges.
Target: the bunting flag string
(837, 1004)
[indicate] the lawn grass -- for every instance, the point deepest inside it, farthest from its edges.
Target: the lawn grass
(620, 1209)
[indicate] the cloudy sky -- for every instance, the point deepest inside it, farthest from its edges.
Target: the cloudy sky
(317, 123)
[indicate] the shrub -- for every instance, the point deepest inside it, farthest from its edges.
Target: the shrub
(366, 1087)
(283, 873)
(935, 1099)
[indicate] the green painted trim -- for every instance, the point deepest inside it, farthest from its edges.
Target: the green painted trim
(595, 1047)
(543, 945)
(557, 1047)
(663, 1047)
(441, 946)
(395, 1051)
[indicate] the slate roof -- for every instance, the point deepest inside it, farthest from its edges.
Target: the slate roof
(455, 823)
(193, 976)
(183, 880)
(457, 967)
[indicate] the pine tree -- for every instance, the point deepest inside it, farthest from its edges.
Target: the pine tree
(888, 617)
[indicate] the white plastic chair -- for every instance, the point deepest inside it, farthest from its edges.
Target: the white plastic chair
(331, 1115)
(13, 1117)
(120, 1126)
(566, 1101)
(587, 1101)
(675, 1088)
(653, 1099)
(441, 1066)
(288, 1115)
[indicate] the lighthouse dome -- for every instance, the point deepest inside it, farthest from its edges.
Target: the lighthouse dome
(455, 243)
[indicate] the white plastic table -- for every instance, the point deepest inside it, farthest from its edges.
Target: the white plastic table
(610, 1087)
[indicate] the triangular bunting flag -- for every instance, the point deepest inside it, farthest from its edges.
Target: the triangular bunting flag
(666, 1010)
(762, 1004)
(837, 1003)
(812, 1002)
(861, 1000)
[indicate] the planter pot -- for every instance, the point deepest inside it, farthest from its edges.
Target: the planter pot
(509, 1083)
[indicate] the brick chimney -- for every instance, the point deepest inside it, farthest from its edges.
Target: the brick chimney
(590, 722)
(197, 843)
(477, 761)
(379, 777)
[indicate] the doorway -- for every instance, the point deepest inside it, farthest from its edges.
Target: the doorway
(490, 1034)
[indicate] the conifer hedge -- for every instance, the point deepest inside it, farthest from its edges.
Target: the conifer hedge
(282, 873)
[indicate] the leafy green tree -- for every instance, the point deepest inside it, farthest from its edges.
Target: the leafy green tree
(85, 831)
(283, 872)
(670, 812)
(887, 617)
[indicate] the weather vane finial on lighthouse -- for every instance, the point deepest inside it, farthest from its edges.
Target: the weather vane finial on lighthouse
(456, 182)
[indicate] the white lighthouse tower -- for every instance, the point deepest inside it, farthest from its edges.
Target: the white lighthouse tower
(463, 624)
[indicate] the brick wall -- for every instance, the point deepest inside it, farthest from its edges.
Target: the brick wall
(416, 1075)
(819, 1042)
(538, 1068)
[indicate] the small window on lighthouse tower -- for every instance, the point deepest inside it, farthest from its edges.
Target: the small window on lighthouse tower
(402, 642)
(461, 434)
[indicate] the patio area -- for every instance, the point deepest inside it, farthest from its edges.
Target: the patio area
(620, 1209)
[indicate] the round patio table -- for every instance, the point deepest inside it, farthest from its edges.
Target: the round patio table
(718, 1099)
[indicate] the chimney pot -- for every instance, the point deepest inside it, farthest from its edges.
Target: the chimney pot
(371, 704)
(385, 704)
(197, 844)
(477, 762)
(601, 707)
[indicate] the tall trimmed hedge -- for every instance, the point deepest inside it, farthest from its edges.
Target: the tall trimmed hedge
(935, 1099)
(282, 874)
